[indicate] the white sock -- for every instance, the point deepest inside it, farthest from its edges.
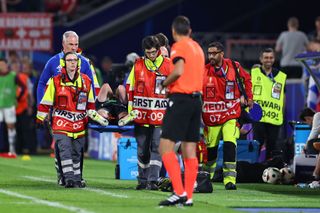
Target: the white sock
(184, 194)
(189, 201)
(11, 139)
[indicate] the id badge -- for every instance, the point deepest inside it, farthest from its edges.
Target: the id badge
(230, 87)
(82, 101)
(157, 88)
(276, 90)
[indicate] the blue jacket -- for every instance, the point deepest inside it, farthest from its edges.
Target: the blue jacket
(53, 68)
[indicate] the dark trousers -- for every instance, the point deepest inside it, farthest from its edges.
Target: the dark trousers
(149, 159)
(269, 135)
(26, 135)
(70, 151)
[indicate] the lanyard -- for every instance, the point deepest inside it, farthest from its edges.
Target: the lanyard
(156, 70)
(223, 72)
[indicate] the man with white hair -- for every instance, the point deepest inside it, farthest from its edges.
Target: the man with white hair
(70, 43)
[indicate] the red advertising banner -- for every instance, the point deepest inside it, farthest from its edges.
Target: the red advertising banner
(26, 31)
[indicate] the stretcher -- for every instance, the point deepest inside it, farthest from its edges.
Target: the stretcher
(110, 128)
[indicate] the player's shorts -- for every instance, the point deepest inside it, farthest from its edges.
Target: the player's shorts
(8, 115)
(114, 107)
(182, 119)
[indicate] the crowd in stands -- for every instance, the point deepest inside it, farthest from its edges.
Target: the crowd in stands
(63, 10)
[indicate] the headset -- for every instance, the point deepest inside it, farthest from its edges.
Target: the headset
(64, 64)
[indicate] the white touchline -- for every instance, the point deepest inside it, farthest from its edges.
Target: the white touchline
(244, 200)
(99, 191)
(44, 202)
(39, 179)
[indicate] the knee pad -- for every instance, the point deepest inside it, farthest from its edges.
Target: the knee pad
(212, 153)
(229, 151)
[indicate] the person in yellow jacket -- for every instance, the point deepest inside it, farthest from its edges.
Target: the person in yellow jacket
(68, 97)
(268, 85)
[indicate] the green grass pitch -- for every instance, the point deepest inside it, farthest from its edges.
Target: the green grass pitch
(30, 186)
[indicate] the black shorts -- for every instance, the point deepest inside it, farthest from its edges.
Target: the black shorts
(114, 107)
(183, 117)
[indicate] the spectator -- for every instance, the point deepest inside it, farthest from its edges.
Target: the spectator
(130, 60)
(93, 63)
(8, 86)
(24, 115)
(290, 43)
(13, 56)
(313, 94)
(315, 35)
(67, 10)
(15, 66)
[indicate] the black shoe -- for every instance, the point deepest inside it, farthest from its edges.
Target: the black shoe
(61, 181)
(141, 186)
(69, 184)
(152, 185)
(80, 184)
(173, 200)
(83, 183)
(230, 186)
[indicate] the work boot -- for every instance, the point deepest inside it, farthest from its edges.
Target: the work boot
(141, 186)
(230, 186)
(79, 184)
(69, 184)
(61, 181)
(152, 185)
